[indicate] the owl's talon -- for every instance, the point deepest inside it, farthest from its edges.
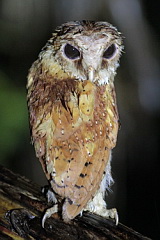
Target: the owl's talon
(110, 213)
(49, 213)
(113, 214)
(117, 218)
(98, 206)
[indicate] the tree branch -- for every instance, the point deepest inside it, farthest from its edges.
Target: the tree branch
(22, 206)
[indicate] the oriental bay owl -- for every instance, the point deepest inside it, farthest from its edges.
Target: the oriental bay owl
(73, 115)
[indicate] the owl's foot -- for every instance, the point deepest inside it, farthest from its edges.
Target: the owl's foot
(109, 213)
(50, 195)
(49, 213)
(98, 206)
(51, 198)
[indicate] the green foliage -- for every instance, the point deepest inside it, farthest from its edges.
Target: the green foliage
(13, 117)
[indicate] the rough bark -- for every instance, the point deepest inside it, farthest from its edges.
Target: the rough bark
(22, 205)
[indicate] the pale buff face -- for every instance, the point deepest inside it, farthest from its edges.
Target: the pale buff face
(91, 64)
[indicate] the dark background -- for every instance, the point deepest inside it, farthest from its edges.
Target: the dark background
(25, 27)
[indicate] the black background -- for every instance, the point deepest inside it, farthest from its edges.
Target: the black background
(25, 27)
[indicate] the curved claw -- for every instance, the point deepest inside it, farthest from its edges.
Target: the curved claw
(114, 214)
(48, 213)
(116, 218)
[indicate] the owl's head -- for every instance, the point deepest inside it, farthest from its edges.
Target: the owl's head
(85, 50)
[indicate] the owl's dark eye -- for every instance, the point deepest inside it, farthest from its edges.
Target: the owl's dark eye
(110, 51)
(71, 52)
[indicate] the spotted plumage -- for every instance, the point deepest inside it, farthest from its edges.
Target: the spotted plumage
(73, 114)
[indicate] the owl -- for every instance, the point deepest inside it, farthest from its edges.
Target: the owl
(73, 115)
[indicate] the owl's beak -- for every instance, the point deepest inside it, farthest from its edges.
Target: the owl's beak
(91, 73)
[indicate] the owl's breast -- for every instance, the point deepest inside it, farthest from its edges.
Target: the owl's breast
(74, 109)
(85, 132)
(87, 112)
(74, 127)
